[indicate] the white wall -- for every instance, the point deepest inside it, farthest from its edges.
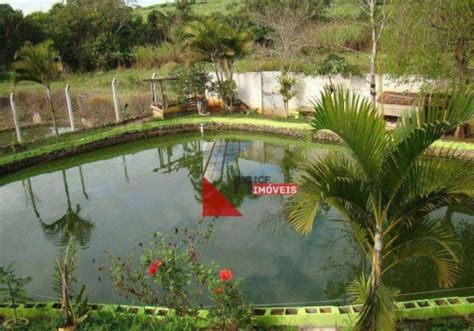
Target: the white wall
(249, 88)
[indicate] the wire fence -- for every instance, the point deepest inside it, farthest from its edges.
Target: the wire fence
(90, 109)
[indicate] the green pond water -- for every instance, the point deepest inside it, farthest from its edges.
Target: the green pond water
(120, 196)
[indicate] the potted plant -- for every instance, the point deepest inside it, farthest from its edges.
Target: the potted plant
(12, 289)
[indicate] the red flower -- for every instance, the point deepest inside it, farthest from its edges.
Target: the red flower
(218, 290)
(152, 270)
(225, 275)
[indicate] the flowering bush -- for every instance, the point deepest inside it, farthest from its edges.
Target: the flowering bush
(230, 309)
(173, 263)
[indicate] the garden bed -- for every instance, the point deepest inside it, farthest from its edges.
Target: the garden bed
(417, 312)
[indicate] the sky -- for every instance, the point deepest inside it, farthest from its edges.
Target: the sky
(29, 6)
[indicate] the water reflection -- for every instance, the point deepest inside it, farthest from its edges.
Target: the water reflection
(71, 223)
(115, 198)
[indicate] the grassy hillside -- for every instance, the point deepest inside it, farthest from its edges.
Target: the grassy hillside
(201, 7)
(341, 9)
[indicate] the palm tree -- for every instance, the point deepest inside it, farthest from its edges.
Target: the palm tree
(217, 42)
(387, 189)
(41, 64)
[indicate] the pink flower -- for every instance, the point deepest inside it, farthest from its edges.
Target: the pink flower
(225, 275)
(153, 269)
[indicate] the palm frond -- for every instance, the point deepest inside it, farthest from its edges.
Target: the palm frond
(361, 234)
(432, 183)
(378, 312)
(335, 178)
(358, 289)
(431, 239)
(300, 211)
(39, 63)
(356, 121)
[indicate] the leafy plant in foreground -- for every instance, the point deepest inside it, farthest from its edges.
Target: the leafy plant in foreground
(71, 313)
(12, 289)
(173, 263)
(387, 189)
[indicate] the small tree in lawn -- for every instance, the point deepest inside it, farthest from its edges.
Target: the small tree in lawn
(287, 83)
(288, 25)
(12, 289)
(40, 64)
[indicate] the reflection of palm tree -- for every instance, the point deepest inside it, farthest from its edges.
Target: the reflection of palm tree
(29, 189)
(71, 224)
(82, 183)
(289, 162)
(191, 160)
(125, 172)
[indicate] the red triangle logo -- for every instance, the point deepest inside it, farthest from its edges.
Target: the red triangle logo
(214, 203)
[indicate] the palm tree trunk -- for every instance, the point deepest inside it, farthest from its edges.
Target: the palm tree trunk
(51, 108)
(376, 272)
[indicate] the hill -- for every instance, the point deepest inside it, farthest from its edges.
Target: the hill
(202, 7)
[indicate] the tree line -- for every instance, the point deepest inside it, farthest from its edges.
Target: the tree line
(101, 34)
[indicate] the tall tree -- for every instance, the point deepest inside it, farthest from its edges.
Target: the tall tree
(40, 64)
(94, 34)
(387, 189)
(436, 36)
(376, 13)
(219, 43)
(288, 23)
(437, 41)
(10, 33)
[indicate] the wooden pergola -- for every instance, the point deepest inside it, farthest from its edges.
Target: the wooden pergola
(153, 80)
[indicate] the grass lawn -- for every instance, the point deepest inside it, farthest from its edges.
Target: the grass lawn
(97, 83)
(79, 138)
(73, 140)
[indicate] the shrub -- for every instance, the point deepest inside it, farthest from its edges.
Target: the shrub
(193, 81)
(225, 90)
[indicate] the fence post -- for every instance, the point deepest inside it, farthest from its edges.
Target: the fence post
(116, 103)
(153, 89)
(15, 118)
(261, 91)
(69, 108)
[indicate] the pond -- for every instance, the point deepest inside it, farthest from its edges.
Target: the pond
(120, 196)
